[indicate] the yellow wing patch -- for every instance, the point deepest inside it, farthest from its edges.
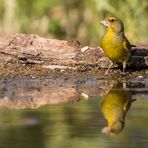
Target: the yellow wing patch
(126, 45)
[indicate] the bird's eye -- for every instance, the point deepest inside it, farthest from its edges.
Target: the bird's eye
(112, 20)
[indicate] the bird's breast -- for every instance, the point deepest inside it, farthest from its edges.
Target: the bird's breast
(113, 47)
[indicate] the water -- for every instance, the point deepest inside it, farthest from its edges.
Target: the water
(73, 113)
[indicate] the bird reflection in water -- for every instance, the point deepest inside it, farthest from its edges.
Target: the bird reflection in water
(114, 108)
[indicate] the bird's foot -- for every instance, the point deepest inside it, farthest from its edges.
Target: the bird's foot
(124, 73)
(106, 73)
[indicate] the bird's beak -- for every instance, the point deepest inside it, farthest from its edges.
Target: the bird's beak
(105, 22)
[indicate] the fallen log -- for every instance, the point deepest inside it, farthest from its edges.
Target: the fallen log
(33, 49)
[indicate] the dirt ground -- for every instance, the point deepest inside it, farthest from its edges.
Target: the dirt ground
(35, 56)
(33, 70)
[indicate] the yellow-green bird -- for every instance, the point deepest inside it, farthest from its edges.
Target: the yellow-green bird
(114, 108)
(114, 43)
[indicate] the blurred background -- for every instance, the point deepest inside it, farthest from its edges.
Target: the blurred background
(74, 19)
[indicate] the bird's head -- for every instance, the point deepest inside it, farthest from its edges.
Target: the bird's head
(113, 23)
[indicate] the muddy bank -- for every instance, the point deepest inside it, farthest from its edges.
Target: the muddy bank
(32, 55)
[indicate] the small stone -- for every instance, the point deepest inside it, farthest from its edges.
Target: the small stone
(84, 49)
(85, 96)
(140, 76)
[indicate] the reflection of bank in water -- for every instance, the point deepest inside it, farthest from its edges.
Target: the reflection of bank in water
(114, 108)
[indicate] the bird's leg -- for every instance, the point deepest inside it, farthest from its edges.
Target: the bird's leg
(111, 64)
(124, 85)
(124, 66)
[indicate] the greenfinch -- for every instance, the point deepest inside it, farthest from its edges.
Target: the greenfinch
(114, 108)
(114, 43)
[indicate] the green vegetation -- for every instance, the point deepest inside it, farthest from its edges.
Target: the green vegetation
(73, 19)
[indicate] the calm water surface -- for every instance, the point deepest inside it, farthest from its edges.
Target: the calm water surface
(87, 116)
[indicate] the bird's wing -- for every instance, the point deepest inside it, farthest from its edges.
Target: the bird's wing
(126, 44)
(128, 104)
